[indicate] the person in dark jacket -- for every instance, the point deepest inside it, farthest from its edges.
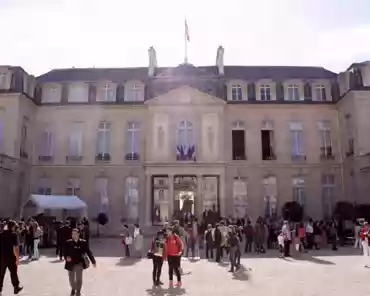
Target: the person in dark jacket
(249, 233)
(77, 255)
(209, 241)
(218, 242)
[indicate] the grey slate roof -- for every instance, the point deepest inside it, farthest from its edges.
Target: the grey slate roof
(251, 73)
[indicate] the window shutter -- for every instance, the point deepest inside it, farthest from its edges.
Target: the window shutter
(279, 91)
(224, 94)
(324, 95)
(251, 91)
(38, 94)
(307, 92)
(92, 94)
(120, 93)
(64, 99)
(357, 77)
(335, 93)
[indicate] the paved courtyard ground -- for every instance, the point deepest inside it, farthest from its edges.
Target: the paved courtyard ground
(317, 273)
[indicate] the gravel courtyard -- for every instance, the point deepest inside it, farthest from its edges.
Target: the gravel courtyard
(317, 273)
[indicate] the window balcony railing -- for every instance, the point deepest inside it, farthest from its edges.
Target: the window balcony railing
(46, 158)
(298, 157)
(326, 153)
(132, 156)
(103, 157)
(269, 157)
(185, 153)
(74, 158)
(239, 157)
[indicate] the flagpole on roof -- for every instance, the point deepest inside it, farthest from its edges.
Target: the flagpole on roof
(186, 36)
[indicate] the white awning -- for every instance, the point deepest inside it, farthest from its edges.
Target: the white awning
(59, 202)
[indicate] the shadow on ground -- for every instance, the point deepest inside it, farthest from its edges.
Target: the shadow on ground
(128, 261)
(158, 291)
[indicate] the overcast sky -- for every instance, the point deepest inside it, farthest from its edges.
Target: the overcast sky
(40, 35)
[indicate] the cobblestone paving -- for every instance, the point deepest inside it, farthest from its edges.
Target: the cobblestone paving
(318, 273)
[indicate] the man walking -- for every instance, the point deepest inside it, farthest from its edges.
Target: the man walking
(9, 256)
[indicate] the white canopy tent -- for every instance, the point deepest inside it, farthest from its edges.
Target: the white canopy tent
(55, 202)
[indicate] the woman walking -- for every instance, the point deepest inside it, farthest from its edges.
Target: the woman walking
(158, 253)
(37, 233)
(77, 254)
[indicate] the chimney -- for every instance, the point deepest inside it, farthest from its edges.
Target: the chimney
(220, 60)
(152, 61)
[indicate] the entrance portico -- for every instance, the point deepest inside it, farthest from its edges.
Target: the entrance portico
(189, 188)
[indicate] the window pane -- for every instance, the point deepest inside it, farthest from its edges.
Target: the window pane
(132, 199)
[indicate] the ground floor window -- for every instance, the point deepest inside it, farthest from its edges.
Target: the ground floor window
(269, 196)
(210, 193)
(160, 209)
(131, 210)
(240, 198)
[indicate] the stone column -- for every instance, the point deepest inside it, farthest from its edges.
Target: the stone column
(222, 195)
(171, 196)
(148, 200)
(199, 197)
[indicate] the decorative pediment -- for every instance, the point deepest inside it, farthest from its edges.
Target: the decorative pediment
(185, 96)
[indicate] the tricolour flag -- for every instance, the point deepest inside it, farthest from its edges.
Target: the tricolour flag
(187, 32)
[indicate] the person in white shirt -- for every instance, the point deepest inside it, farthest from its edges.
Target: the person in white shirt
(309, 234)
(287, 238)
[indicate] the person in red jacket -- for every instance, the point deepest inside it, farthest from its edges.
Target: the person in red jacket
(174, 250)
(364, 235)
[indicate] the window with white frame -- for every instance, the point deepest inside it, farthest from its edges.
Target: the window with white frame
(46, 144)
(328, 194)
(44, 186)
(299, 190)
(78, 93)
(293, 92)
(73, 186)
(133, 141)
(265, 91)
(106, 93)
(102, 191)
(296, 133)
(3, 80)
(51, 94)
(270, 196)
(137, 92)
(132, 198)
(240, 197)
(325, 138)
(185, 149)
(236, 92)
(75, 139)
(320, 92)
(103, 139)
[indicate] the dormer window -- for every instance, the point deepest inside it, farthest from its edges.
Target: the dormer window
(137, 92)
(51, 93)
(236, 92)
(78, 92)
(106, 93)
(293, 92)
(3, 80)
(320, 93)
(265, 91)
(134, 91)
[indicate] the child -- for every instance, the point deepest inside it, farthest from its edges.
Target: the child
(281, 244)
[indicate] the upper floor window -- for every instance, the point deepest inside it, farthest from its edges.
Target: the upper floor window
(75, 139)
(320, 92)
(78, 93)
(51, 94)
(265, 91)
(268, 140)
(328, 186)
(236, 92)
(296, 132)
(46, 146)
(270, 196)
(106, 93)
(103, 141)
(133, 141)
(4, 80)
(299, 190)
(73, 186)
(24, 136)
(185, 149)
(325, 139)
(44, 186)
(293, 92)
(137, 92)
(238, 140)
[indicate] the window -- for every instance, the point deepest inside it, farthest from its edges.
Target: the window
(106, 93)
(133, 141)
(185, 149)
(270, 196)
(73, 186)
(1, 135)
(267, 138)
(296, 132)
(320, 93)
(327, 194)
(240, 197)
(102, 191)
(3, 80)
(350, 138)
(132, 199)
(236, 92)
(75, 142)
(24, 131)
(51, 94)
(265, 90)
(44, 186)
(78, 93)
(137, 91)
(293, 92)
(103, 141)
(238, 141)
(160, 210)
(325, 139)
(46, 146)
(299, 191)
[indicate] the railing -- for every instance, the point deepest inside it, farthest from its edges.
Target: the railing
(103, 157)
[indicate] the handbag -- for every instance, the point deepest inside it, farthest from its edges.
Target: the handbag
(150, 254)
(128, 240)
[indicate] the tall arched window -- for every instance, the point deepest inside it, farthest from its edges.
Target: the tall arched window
(185, 149)
(270, 196)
